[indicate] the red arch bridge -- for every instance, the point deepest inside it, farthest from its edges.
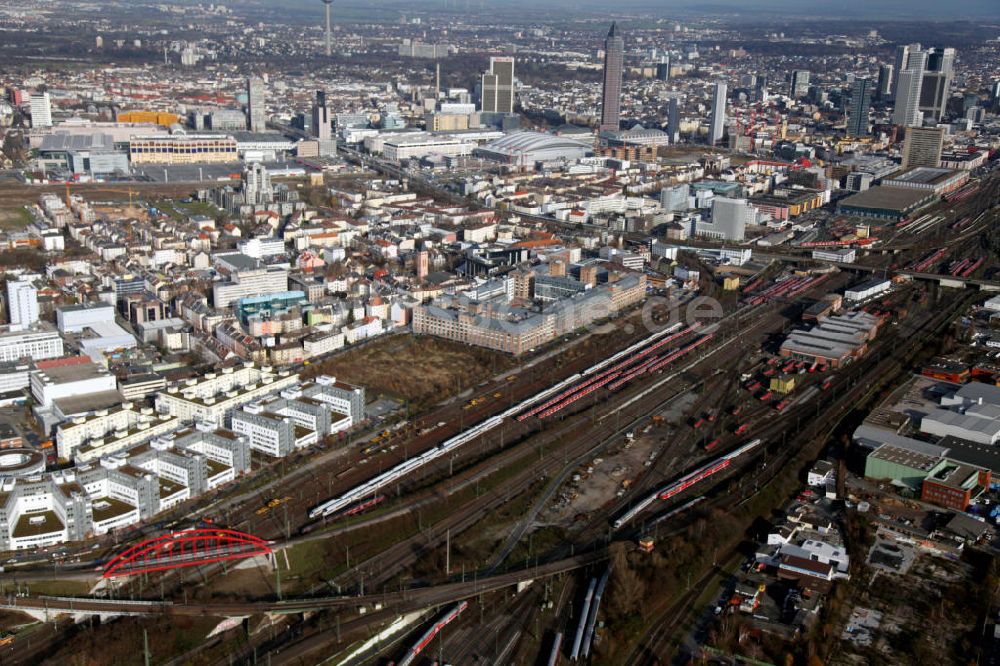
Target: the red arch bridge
(188, 548)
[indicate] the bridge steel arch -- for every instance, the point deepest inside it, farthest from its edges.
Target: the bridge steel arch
(187, 548)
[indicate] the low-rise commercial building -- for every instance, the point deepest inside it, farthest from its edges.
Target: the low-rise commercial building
(183, 149)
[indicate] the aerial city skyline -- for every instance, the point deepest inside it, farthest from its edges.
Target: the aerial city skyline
(499, 333)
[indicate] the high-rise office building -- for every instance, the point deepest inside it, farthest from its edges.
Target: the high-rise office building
(730, 218)
(717, 121)
(674, 119)
(22, 302)
(861, 100)
(939, 67)
(257, 187)
(902, 62)
(907, 103)
(663, 70)
(41, 110)
(321, 117)
(884, 87)
(614, 62)
(995, 92)
(922, 147)
(760, 88)
(256, 110)
(498, 86)
(799, 83)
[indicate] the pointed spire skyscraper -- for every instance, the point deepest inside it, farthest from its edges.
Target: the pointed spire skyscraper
(614, 59)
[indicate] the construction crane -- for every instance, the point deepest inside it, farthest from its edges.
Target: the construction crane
(131, 204)
(130, 192)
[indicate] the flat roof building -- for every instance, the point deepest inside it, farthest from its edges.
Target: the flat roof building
(886, 203)
(183, 149)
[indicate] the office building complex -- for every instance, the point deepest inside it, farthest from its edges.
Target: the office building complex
(256, 110)
(41, 110)
(861, 99)
(498, 86)
(519, 331)
(922, 147)
(251, 281)
(614, 60)
(717, 121)
(181, 149)
(22, 302)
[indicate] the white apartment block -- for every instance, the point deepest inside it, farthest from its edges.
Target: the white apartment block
(214, 396)
(36, 345)
(110, 431)
(250, 283)
(22, 302)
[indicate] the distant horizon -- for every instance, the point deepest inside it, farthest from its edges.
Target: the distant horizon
(903, 10)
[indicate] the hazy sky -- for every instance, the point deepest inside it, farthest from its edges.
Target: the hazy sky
(907, 10)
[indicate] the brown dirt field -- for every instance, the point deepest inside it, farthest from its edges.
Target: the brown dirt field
(420, 369)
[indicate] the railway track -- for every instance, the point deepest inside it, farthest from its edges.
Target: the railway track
(660, 634)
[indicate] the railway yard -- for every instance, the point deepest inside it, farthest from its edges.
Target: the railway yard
(540, 479)
(559, 509)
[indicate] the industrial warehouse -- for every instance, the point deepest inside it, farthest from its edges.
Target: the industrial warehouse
(834, 341)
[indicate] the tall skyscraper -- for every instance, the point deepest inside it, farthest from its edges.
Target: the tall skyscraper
(257, 185)
(663, 70)
(922, 147)
(730, 218)
(674, 119)
(498, 86)
(936, 83)
(22, 302)
(995, 92)
(327, 35)
(799, 83)
(760, 88)
(614, 61)
(256, 110)
(41, 110)
(902, 62)
(861, 100)
(907, 102)
(884, 81)
(717, 121)
(321, 117)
